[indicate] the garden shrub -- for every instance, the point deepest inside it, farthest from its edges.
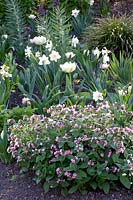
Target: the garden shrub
(113, 33)
(75, 148)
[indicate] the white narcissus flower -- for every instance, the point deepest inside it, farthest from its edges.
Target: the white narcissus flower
(28, 52)
(75, 12)
(91, 2)
(129, 89)
(104, 66)
(54, 56)
(5, 36)
(32, 16)
(97, 96)
(121, 93)
(105, 58)
(37, 54)
(75, 41)
(44, 60)
(96, 52)
(69, 54)
(105, 51)
(49, 45)
(38, 40)
(86, 52)
(68, 67)
(4, 72)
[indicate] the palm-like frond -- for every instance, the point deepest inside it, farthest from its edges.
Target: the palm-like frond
(15, 24)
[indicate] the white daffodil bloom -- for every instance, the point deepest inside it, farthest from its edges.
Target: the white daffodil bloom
(75, 41)
(121, 93)
(129, 89)
(32, 16)
(75, 13)
(54, 56)
(28, 52)
(37, 54)
(105, 51)
(105, 58)
(91, 2)
(96, 52)
(69, 55)
(86, 52)
(68, 67)
(44, 60)
(4, 72)
(49, 45)
(5, 36)
(40, 40)
(97, 96)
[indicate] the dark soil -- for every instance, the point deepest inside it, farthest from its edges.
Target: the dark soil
(15, 186)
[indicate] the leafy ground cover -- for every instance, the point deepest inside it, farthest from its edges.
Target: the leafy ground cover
(14, 185)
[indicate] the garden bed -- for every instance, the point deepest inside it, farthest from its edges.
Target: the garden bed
(14, 186)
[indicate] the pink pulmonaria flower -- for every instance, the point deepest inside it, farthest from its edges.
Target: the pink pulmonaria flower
(120, 150)
(58, 171)
(107, 169)
(67, 174)
(53, 147)
(90, 163)
(57, 139)
(82, 159)
(74, 176)
(102, 155)
(114, 169)
(60, 180)
(73, 160)
(85, 138)
(67, 152)
(109, 154)
(105, 143)
(26, 101)
(18, 158)
(131, 166)
(60, 124)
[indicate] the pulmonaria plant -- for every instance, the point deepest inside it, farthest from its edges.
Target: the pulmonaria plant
(75, 148)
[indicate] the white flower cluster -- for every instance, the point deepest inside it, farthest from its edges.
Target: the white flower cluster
(4, 72)
(53, 55)
(123, 92)
(105, 57)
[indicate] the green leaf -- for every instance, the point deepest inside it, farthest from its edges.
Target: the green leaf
(106, 187)
(112, 177)
(73, 189)
(93, 185)
(125, 181)
(46, 187)
(82, 174)
(64, 191)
